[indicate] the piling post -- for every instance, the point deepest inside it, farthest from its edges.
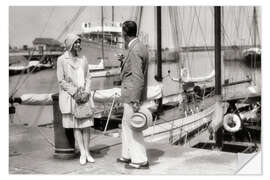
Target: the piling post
(63, 137)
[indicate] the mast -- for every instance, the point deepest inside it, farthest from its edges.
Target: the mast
(112, 15)
(217, 27)
(102, 24)
(159, 60)
(158, 77)
(255, 25)
(140, 18)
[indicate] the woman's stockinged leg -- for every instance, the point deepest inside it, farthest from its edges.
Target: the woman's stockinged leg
(86, 140)
(79, 138)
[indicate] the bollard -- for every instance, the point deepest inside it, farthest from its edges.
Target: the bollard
(63, 137)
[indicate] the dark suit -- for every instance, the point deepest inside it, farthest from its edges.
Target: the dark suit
(134, 88)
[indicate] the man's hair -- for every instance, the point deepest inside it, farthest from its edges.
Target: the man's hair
(130, 28)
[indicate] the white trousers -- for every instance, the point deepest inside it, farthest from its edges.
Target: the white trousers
(132, 141)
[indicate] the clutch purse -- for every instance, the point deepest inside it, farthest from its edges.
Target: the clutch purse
(83, 111)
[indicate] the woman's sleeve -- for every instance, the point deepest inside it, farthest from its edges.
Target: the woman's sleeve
(66, 86)
(88, 78)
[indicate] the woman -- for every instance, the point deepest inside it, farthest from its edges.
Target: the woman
(74, 86)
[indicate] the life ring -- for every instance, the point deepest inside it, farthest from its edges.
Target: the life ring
(232, 122)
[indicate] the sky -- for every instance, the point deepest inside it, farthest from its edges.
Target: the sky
(195, 24)
(28, 22)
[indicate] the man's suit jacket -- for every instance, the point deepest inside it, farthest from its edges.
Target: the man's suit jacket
(134, 73)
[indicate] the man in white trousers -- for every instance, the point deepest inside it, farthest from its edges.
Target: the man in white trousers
(134, 69)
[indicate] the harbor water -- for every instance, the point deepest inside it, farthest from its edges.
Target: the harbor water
(200, 64)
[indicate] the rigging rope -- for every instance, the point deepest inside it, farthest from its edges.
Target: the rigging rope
(27, 76)
(73, 19)
(48, 20)
(21, 77)
(203, 35)
(17, 87)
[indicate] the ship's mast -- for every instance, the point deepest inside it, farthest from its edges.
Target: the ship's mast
(255, 25)
(158, 77)
(159, 60)
(217, 27)
(218, 90)
(112, 15)
(102, 29)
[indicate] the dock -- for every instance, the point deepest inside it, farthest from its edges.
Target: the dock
(35, 53)
(31, 152)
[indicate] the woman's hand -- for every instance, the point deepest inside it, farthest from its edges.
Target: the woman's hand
(76, 96)
(84, 97)
(81, 96)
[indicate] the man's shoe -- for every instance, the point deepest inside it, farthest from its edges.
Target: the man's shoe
(137, 166)
(123, 160)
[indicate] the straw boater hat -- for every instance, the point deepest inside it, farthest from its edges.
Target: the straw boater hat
(142, 119)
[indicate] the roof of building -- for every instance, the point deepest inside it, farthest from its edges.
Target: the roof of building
(46, 41)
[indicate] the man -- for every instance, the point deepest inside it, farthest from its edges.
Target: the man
(133, 92)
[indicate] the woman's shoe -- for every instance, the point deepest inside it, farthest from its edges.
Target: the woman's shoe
(90, 159)
(82, 160)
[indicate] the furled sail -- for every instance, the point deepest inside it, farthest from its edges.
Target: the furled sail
(153, 92)
(185, 74)
(185, 77)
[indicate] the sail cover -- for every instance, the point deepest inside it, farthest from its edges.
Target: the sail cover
(153, 92)
(187, 78)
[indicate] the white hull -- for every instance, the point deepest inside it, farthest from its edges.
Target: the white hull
(179, 128)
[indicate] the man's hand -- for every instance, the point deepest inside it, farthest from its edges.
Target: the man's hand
(120, 57)
(135, 106)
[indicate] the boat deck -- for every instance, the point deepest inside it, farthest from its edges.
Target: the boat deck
(31, 153)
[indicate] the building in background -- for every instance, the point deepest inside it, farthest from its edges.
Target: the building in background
(47, 44)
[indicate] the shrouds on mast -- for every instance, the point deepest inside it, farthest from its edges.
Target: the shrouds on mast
(74, 18)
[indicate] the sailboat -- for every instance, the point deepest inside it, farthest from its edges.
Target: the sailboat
(194, 116)
(191, 116)
(177, 125)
